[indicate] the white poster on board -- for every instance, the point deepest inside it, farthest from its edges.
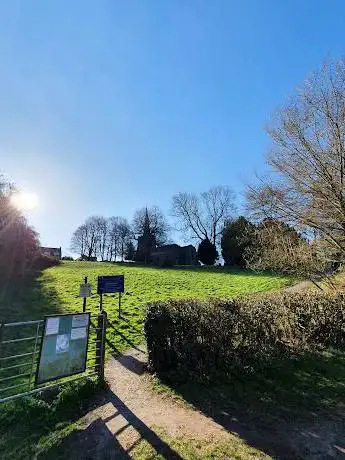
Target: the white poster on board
(52, 326)
(62, 343)
(78, 333)
(85, 290)
(80, 320)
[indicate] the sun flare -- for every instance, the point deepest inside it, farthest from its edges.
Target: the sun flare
(24, 201)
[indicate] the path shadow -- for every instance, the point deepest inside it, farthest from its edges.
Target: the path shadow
(291, 410)
(161, 447)
(97, 441)
(130, 362)
(112, 325)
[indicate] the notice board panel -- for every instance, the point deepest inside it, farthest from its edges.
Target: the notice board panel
(63, 347)
(110, 284)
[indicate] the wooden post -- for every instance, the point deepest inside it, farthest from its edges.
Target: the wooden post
(119, 304)
(101, 336)
(84, 301)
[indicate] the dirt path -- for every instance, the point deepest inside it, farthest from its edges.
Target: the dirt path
(126, 379)
(131, 411)
(299, 286)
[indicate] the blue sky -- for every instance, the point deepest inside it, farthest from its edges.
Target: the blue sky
(107, 106)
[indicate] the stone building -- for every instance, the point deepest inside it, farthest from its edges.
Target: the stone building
(51, 252)
(173, 254)
(166, 255)
(146, 243)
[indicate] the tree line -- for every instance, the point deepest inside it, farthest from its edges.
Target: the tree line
(305, 184)
(302, 194)
(207, 220)
(199, 217)
(295, 213)
(114, 237)
(297, 208)
(103, 238)
(268, 245)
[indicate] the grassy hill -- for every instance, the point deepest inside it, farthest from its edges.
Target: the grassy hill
(56, 290)
(288, 393)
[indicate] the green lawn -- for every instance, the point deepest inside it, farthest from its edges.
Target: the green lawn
(269, 406)
(56, 290)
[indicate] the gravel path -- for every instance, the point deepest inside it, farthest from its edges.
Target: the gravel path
(131, 411)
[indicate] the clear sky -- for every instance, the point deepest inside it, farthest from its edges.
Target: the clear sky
(107, 106)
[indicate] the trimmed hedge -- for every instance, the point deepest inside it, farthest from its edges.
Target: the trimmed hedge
(197, 337)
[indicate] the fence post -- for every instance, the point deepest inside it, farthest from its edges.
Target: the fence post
(1, 338)
(101, 336)
(84, 300)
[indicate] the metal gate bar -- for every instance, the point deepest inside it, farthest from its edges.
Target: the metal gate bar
(47, 387)
(15, 373)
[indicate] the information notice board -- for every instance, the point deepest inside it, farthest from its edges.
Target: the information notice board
(63, 347)
(110, 284)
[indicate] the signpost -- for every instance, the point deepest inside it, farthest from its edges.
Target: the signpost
(85, 291)
(111, 285)
(63, 347)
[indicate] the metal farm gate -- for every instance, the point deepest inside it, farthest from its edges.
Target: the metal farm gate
(20, 345)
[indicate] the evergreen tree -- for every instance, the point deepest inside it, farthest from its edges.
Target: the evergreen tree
(130, 251)
(237, 236)
(207, 252)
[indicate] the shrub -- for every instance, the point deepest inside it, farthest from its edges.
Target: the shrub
(42, 262)
(207, 252)
(237, 237)
(67, 258)
(198, 337)
(88, 258)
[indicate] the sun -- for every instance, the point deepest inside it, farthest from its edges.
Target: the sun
(24, 201)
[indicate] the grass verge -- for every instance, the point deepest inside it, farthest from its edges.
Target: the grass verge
(231, 446)
(31, 426)
(289, 408)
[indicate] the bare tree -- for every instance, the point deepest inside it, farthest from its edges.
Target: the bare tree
(158, 224)
(101, 236)
(278, 247)
(125, 235)
(306, 186)
(203, 216)
(113, 237)
(85, 239)
(78, 241)
(92, 235)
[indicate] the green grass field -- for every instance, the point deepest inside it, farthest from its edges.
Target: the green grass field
(288, 394)
(56, 290)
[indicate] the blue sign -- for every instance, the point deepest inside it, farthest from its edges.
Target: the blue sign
(110, 284)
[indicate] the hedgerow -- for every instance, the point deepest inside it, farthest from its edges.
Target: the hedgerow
(197, 337)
